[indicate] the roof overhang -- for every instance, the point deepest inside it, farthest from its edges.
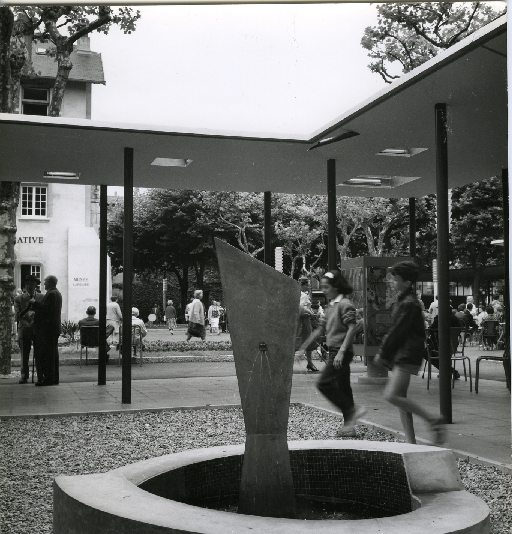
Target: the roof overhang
(470, 78)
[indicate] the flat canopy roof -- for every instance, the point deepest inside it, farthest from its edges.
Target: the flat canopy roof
(470, 78)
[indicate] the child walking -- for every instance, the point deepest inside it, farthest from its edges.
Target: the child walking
(402, 351)
(339, 327)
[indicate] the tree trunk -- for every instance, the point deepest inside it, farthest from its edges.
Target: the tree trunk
(6, 26)
(65, 66)
(477, 277)
(9, 195)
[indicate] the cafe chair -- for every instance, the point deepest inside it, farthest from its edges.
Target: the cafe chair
(89, 339)
(506, 364)
(457, 342)
(490, 334)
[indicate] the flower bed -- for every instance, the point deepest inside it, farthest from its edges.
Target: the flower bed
(184, 346)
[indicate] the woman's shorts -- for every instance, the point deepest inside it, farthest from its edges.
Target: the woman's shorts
(410, 368)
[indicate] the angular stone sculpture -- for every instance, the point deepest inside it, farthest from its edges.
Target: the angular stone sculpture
(262, 306)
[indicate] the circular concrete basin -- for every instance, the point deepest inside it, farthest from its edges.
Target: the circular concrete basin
(418, 488)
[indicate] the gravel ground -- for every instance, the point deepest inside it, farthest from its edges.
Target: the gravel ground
(34, 451)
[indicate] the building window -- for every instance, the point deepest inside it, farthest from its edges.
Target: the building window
(35, 101)
(26, 269)
(34, 201)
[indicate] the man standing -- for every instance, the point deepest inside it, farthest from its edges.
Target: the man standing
(170, 317)
(25, 319)
(47, 328)
(114, 317)
(91, 320)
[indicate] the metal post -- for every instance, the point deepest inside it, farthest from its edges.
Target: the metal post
(102, 349)
(506, 296)
(267, 216)
(331, 214)
(443, 240)
(126, 387)
(412, 227)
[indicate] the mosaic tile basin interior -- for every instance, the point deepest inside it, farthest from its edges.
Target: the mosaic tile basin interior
(410, 488)
(367, 483)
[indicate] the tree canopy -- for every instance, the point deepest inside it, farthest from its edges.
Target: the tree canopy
(407, 35)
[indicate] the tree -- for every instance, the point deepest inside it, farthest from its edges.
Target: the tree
(407, 35)
(477, 219)
(19, 26)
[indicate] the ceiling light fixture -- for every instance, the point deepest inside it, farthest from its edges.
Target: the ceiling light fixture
(329, 140)
(401, 152)
(170, 162)
(370, 180)
(61, 175)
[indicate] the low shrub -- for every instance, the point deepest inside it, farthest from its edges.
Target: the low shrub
(184, 346)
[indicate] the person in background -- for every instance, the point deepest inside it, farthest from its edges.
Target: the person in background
(497, 304)
(187, 310)
(196, 318)
(25, 319)
(339, 327)
(433, 309)
(402, 351)
(461, 316)
(136, 321)
(114, 318)
(170, 317)
(490, 314)
(91, 320)
(480, 315)
(470, 300)
(47, 328)
(304, 328)
(214, 312)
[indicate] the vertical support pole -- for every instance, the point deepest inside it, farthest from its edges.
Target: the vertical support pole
(126, 386)
(331, 214)
(102, 349)
(506, 238)
(267, 232)
(412, 227)
(443, 240)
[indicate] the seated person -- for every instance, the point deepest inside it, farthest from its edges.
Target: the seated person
(459, 313)
(454, 323)
(490, 314)
(91, 320)
(480, 315)
(138, 322)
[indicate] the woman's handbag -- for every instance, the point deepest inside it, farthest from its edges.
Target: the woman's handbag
(195, 329)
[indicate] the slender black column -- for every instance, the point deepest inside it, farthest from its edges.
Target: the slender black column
(412, 227)
(506, 296)
(331, 214)
(267, 231)
(443, 240)
(126, 387)
(102, 349)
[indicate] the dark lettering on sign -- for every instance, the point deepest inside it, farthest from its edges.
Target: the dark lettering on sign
(30, 240)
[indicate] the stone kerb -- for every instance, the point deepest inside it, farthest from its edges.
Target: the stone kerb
(114, 502)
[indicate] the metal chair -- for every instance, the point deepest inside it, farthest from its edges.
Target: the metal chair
(490, 334)
(136, 341)
(89, 339)
(506, 364)
(456, 339)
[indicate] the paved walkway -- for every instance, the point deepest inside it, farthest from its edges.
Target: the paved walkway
(481, 423)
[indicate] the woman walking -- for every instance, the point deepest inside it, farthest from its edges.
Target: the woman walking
(402, 351)
(339, 327)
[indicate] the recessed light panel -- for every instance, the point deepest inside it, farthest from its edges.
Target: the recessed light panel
(58, 175)
(368, 181)
(401, 152)
(171, 162)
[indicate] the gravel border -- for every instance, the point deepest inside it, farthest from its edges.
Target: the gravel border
(35, 451)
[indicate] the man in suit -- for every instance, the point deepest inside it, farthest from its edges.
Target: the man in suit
(47, 328)
(91, 320)
(25, 320)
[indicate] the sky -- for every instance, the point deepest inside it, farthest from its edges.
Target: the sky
(265, 69)
(285, 69)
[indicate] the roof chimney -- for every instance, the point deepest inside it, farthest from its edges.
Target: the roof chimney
(83, 45)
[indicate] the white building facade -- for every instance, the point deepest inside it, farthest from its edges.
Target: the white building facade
(58, 224)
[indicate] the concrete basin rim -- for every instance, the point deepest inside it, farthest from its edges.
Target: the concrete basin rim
(117, 493)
